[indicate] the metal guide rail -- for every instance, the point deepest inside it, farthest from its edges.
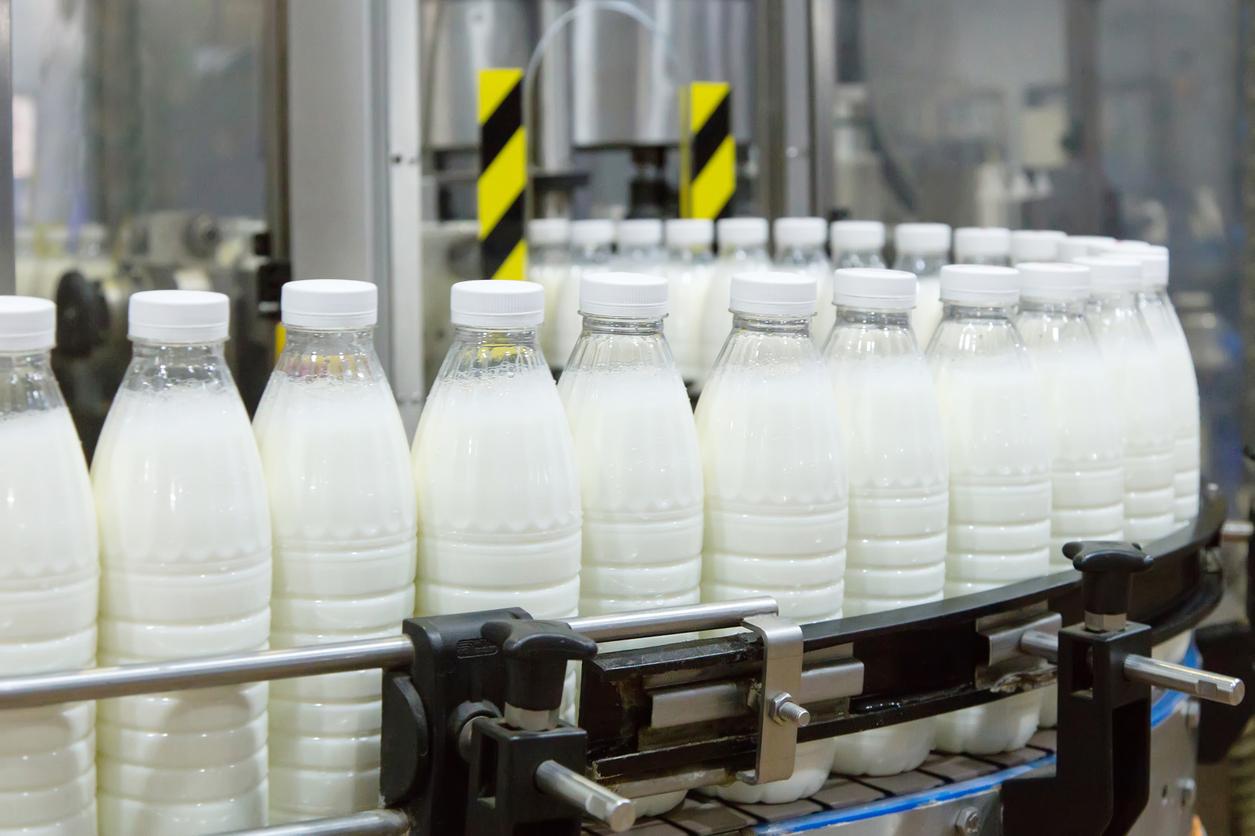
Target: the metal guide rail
(472, 741)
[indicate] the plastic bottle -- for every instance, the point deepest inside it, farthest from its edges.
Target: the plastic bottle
(185, 552)
(549, 264)
(857, 244)
(689, 266)
(1079, 246)
(1035, 245)
(922, 249)
(1141, 398)
(800, 248)
(494, 466)
(49, 577)
(1178, 365)
(742, 247)
(982, 245)
(776, 501)
(591, 252)
(640, 466)
(638, 244)
(899, 485)
(999, 450)
(342, 508)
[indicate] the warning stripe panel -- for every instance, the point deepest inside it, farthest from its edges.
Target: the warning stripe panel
(502, 184)
(710, 173)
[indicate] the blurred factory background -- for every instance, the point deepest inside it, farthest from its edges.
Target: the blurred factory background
(236, 143)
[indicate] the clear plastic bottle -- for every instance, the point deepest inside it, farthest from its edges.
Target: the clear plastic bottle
(49, 577)
(1035, 245)
(185, 553)
(1141, 398)
(342, 508)
(742, 247)
(776, 499)
(999, 450)
(923, 249)
(899, 487)
(857, 244)
(638, 245)
(494, 465)
(800, 247)
(548, 265)
(591, 252)
(982, 245)
(1079, 246)
(689, 266)
(640, 466)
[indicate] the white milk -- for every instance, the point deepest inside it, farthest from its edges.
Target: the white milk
(590, 253)
(776, 502)
(343, 511)
(922, 249)
(896, 459)
(548, 263)
(800, 248)
(689, 268)
(185, 539)
(48, 591)
(1000, 468)
(1139, 381)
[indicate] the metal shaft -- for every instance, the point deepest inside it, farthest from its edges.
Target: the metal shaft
(552, 778)
(667, 620)
(205, 672)
(370, 823)
(1197, 683)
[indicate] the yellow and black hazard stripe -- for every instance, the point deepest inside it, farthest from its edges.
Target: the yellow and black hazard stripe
(502, 174)
(709, 179)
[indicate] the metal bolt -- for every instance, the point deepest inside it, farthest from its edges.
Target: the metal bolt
(785, 710)
(967, 822)
(1188, 790)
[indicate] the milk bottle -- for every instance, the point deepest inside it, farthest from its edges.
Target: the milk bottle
(342, 508)
(640, 467)
(896, 458)
(1036, 245)
(49, 574)
(857, 244)
(1176, 364)
(590, 253)
(638, 243)
(688, 268)
(922, 249)
(999, 452)
(800, 248)
(982, 245)
(1087, 476)
(1141, 398)
(185, 548)
(742, 247)
(494, 466)
(548, 263)
(776, 506)
(1079, 246)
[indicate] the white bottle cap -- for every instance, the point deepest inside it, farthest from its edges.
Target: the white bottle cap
(1053, 281)
(1036, 245)
(1153, 258)
(799, 232)
(857, 236)
(178, 316)
(639, 232)
(627, 295)
(874, 288)
(27, 324)
(329, 304)
(980, 284)
(1077, 246)
(922, 239)
(774, 294)
(489, 303)
(1112, 272)
(741, 232)
(594, 232)
(690, 232)
(549, 232)
(981, 242)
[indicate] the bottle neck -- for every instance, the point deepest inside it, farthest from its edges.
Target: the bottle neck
(873, 318)
(27, 383)
(801, 255)
(763, 324)
(860, 258)
(1057, 307)
(1107, 299)
(921, 264)
(743, 253)
(984, 313)
(476, 350)
(622, 326)
(591, 252)
(345, 354)
(157, 366)
(696, 252)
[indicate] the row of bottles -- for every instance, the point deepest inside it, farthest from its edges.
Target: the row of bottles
(857, 478)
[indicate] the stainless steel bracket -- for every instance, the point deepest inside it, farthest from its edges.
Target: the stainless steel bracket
(779, 715)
